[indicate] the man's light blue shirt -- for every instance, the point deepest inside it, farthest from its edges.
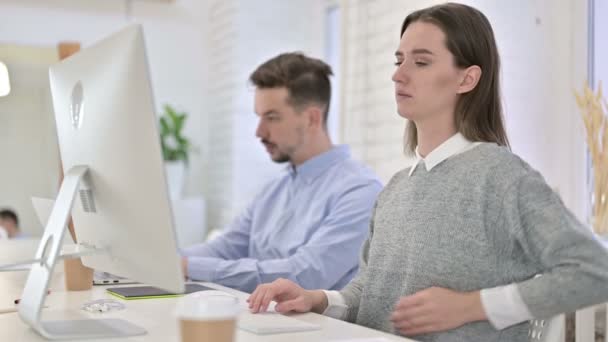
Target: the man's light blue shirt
(307, 226)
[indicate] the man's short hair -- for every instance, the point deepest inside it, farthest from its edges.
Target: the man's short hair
(306, 79)
(9, 214)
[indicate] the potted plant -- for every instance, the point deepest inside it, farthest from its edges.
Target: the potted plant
(175, 147)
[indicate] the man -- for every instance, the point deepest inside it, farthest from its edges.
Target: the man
(307, 225)
(9, 224)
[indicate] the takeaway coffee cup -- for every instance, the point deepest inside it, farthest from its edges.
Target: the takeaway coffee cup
(207, 316)
(77, 276)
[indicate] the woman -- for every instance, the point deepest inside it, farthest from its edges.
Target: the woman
(457, 239)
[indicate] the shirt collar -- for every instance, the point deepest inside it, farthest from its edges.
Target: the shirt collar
(315, 166)
(454, 145)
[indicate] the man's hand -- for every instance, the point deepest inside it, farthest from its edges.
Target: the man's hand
(436, 309)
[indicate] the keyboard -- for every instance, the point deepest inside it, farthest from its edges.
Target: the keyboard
(273, 323)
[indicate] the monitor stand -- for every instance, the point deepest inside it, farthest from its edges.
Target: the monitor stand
(48, 253)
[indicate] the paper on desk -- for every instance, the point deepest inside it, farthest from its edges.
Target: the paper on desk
(17, 251)
(8, 310)
(43, 208)
(24, 250)
(13, 309)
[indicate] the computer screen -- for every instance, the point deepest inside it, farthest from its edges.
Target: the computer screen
(108, 139)
(105, 115)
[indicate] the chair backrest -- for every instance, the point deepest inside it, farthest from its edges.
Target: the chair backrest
(551, 330)
(590, 320)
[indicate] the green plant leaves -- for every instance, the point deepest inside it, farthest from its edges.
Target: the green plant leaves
(174, 145)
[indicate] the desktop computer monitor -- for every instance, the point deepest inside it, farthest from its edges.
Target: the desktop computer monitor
(114, 185)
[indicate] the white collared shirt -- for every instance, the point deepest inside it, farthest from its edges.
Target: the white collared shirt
(503, 305)
(451, 147)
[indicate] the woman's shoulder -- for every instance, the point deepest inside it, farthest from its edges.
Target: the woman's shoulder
(399, 176)
(499, 163)
(493, 157)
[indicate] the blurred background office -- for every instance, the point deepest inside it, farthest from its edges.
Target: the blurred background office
(202, 51)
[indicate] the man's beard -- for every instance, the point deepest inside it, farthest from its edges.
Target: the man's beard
(281, 158)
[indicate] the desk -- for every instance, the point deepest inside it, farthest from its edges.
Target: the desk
(155, 315)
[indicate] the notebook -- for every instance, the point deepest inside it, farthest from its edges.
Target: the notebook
(145, 292)
(273, 323)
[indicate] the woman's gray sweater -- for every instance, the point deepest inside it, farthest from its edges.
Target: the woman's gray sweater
(480, 219)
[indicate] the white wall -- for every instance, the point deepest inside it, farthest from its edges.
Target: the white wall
(600, 45)
(175, 37)
(543, 50)
(202, 52)
(30, 158)
(243, 35)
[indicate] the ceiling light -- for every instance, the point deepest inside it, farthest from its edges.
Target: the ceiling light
(5, 85)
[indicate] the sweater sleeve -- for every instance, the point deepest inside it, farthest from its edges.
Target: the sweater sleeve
(573, 264)
(352, 292)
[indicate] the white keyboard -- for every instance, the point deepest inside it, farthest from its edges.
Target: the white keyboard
(273, 323)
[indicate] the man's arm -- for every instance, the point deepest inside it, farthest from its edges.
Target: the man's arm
(328, 256)
(232, 244)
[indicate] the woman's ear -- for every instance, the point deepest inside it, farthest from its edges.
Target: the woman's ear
(470, 78)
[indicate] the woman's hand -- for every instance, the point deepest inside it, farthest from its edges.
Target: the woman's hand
(436, 309)
(289, 297)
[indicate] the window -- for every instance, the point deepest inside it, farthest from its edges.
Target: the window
(333, 58)
(598, 70)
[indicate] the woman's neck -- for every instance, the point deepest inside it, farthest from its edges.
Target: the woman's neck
(432, 134)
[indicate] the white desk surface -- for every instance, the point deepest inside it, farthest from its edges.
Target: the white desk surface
(155, 315)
